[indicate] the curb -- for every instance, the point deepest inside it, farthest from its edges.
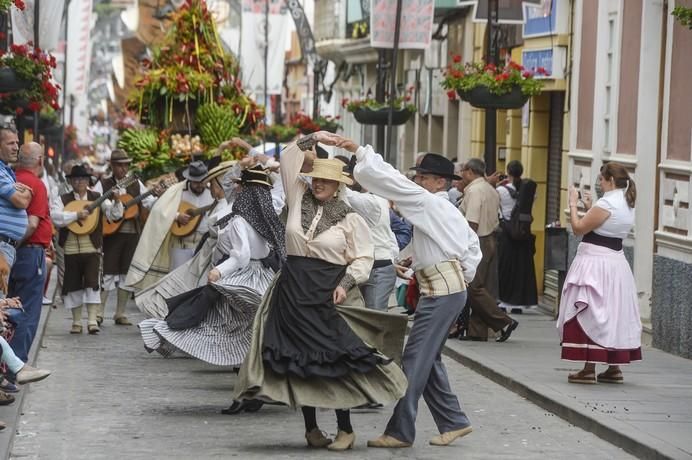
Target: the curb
(637, 443)
(13, 412)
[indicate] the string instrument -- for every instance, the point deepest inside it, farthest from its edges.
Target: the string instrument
(130, 208)
(195, 218)
(89, 224)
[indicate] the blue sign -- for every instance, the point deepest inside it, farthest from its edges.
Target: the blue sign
(533, 59)
(541, 20)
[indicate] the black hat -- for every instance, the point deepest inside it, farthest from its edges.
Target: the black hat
(120, 156)
(434, 163)
(78, 171)
(196, 172)
(255, 175)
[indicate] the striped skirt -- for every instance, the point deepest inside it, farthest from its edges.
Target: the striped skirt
(224, 335)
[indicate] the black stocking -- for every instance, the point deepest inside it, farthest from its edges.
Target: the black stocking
(310, 417)
(343, 420)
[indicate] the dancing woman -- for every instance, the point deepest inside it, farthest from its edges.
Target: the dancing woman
(307, 351)
(212, 322)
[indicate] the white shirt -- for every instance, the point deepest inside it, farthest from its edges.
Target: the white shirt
(621, 219)
(147, 202)
(506, 201)
(440, 231)
(375, 211)
(62, 218)
(242, 243)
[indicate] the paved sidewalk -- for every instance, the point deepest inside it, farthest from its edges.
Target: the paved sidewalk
(650, 415)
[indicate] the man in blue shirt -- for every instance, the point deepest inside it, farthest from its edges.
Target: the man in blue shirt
(14, 199)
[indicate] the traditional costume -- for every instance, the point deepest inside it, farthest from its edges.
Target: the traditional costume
(119, 247)
(306, 352)
(445, 254)
(212, 322)
(599, 312)
(82, 280)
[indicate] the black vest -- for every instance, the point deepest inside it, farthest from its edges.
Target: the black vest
(96, 236)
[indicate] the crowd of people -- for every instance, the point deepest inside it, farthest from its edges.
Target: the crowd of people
(285, 271)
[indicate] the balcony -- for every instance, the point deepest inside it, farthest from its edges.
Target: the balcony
(341, 31)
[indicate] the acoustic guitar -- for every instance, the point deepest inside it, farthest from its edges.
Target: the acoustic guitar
(130, 209)
(195, 218)
(88, 225)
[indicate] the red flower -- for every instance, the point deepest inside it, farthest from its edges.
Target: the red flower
(344, 102)
(19, 111)
(527, 74)
(19, 4)
(34, 106)
(490, 67)
(541, 71)
(456, 58)
(452, 95)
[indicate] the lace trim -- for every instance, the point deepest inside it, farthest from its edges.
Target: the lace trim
(333, 212)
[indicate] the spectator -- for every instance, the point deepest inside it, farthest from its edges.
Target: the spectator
(599, 311)
(516, 271)
(480, 204)
(29, 271)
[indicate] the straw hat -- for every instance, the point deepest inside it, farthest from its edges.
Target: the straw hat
(330, 169)
(219, 170)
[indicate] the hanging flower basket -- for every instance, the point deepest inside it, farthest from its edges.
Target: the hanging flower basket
(280, 133)
(480, 97)
(380, 117)
(10, 81)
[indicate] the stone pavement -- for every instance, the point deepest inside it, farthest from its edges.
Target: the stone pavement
(109, 399)
(650, 415)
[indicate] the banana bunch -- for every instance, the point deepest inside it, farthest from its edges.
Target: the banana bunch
(139, 143)
(216, 124)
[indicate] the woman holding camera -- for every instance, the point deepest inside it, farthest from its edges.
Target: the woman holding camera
(599, 313)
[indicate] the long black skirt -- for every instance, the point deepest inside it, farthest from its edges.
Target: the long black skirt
(516, 270)
(304, 335)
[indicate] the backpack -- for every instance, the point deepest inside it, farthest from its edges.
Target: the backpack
(518, 227)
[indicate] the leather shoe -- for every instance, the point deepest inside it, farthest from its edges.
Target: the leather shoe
(122, 321)
(447, 438)
(388, 442)
(508, 331)
(471, 338)
(316, 438)
(5, 399)
(343, 441)
(29, 374)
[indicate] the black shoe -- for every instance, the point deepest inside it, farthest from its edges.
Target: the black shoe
(253, 405)
(471, 338)
(234, 408)
(507, 332)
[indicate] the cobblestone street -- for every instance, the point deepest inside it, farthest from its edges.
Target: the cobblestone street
(108, 399)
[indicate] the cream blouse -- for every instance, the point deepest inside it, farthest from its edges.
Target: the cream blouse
(348, 242)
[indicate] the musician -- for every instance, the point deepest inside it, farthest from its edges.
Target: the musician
(196, 195)
(119, 247)
(81, 284)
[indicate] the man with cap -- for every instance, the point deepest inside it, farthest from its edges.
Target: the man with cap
(445, 254)
(119, 247)
(195, 195)
(82, 283)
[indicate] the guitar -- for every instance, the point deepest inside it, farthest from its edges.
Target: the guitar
(195, 218)
(131, 210)
(89, 224)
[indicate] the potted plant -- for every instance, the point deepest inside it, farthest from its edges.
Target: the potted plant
(35, 67)
(303, 123)
(280, 133)
(370, 112)
(6, 4)
(328, 123)
(488, 86)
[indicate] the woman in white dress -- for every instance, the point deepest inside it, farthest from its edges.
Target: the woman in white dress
(212, 322)
(599, 313)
